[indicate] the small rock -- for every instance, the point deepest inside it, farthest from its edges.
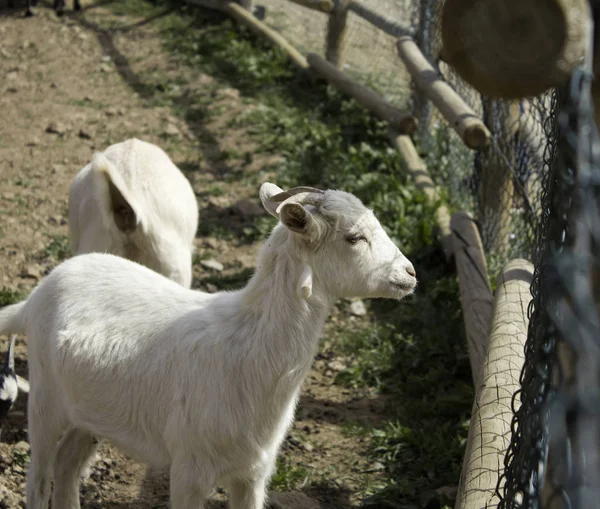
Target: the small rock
(336, 365)
(357, 308)
(22, 447)
(5, 53)
(210, 288)
(33, 141)
(56, 128)
(172, 130)
(291, 500)
(26, 44)
(308, 447)
(57, 220)
(32, 272)
(106, 58)
(105, 68)
(111, 112)
(247, 208)
(8, 196)
(84, 134)
(212, 265)
(211, 242)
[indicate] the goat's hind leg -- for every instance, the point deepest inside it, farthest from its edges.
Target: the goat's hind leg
(247, 493)
(75, 451)
(44, 433)
(190, 486)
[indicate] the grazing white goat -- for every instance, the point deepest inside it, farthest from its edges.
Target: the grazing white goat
(205, 383)
(132, 201)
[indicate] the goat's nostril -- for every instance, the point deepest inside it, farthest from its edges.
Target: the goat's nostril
(411, 271)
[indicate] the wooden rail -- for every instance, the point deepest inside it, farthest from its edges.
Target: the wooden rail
(475, 291)
(490, 429)
(459, 115)
(418, 171)
(337, 33)
(401, 120)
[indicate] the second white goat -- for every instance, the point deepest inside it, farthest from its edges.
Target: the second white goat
(205, 383)
(132, 201)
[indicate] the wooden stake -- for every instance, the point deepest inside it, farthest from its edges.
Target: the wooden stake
(475, 291)
(403, 121)
(418, 171)
(490, 429)
(496, 189)
(336, 33)
(458, 114)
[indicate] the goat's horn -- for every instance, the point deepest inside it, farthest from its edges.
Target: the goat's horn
(279, 197)
(306, 198)
(305, 189)
(10, 358)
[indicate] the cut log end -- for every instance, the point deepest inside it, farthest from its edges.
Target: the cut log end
(514, 49)
(477, 136)
(407, 125)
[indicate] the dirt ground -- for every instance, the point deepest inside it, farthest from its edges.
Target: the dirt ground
(70, 86)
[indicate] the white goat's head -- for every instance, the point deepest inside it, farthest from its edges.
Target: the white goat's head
(342, 244)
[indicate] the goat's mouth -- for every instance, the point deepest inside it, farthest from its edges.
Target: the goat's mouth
(404, 287)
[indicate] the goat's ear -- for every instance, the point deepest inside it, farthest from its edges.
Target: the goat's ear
(116, 198)
(267, 190)
(22, 384)
(296, 218)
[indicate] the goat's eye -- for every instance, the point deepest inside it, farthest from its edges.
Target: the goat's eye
(353, 239)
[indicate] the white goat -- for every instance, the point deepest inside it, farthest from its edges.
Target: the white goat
(205, 383)
(132, 201)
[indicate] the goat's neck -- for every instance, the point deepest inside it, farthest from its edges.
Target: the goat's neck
(284, 322)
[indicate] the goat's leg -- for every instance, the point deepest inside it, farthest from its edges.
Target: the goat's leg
(59, 7)
(29, 12)
(45, 430)
(190, 486)
(75, 452)
(76, 5)
(247, 493)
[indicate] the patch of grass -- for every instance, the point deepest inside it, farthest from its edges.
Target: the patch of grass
(229, 282)
(214, 228)
(59, 248)
(287, 476)
(8, 297)
(21, 458)
(260, 229)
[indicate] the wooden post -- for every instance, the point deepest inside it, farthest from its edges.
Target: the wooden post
(336, 33)
(496, 189)
(403, 121)
(475, 291)
(326, 6)
(490, 429)
(418, 171)
(244, 17)
(514, 49)
(458, 114)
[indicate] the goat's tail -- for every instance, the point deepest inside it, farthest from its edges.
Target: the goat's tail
(12, 319)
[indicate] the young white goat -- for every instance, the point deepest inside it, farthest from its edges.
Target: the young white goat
(132, 201)
(205, 383)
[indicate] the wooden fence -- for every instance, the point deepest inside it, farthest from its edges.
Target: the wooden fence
(496, 326)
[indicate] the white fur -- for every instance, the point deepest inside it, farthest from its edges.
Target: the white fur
(205, 383)
(9, 389)
(164, 203)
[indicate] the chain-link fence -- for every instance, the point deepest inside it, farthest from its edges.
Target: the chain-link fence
(554, 457)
